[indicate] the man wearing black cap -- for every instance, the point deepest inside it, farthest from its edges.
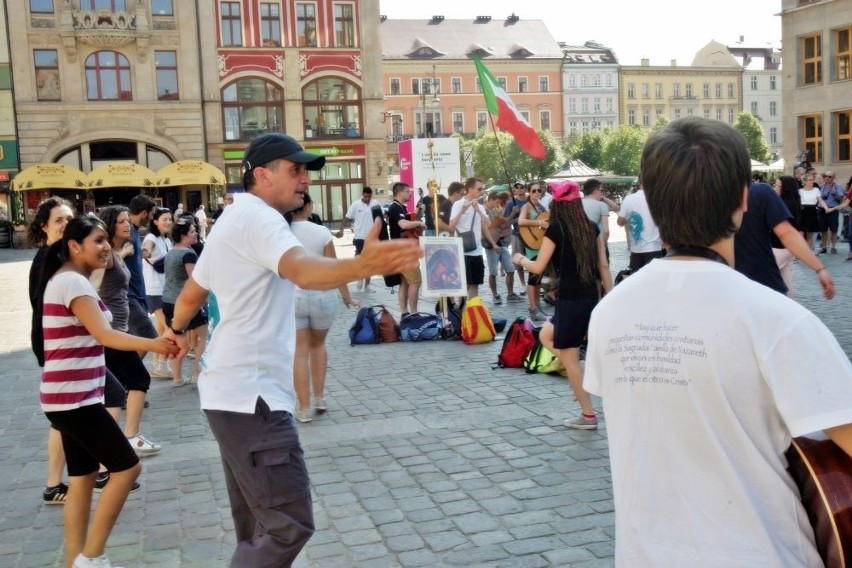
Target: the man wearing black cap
(251, 265)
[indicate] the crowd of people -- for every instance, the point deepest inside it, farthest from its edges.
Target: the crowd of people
(108, 289)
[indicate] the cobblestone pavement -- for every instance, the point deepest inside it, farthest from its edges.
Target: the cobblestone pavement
(428, 456)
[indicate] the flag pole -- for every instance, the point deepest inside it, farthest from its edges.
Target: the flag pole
(500, 151)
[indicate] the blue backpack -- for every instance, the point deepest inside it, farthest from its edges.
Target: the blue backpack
(365, 330)
(419, 327)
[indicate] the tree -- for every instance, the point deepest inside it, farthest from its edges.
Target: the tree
(523, 166)
(488, 164)
(749, 126)
(589, 147)
(662, 121)
(623, 150)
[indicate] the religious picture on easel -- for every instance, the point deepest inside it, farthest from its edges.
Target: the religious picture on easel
(443, 267)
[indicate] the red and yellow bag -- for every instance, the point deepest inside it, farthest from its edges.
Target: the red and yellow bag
(476, 323)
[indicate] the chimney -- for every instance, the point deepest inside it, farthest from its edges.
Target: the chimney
(674, 62)
(645, 62)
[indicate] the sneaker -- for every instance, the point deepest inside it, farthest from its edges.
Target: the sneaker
(142, 446)
(537, 315)
(498, 300)
(522, 293)
(319, 405)
(103, 479)
(55, 495)
(833, 250)
(161, 371)
(582, 423)
(303, 415)
(100, 562)
(513, 298)
(822, 251)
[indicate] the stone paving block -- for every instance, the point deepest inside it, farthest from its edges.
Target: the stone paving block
(461, 507)
(416, 558)
(473, 523)
(423, 515)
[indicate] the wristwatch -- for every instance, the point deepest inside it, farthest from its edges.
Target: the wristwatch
(177, 331)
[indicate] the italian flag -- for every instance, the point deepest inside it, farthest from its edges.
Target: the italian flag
(509, 118)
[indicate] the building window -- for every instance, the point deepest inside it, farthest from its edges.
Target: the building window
(843, 120)
(773, 135)
(458, 122)
(707, 113)
(430, 85)
(754, 82)
(526, 115)
(706, 90)
(270, 24)
(597, 105)
(631, 117)
(252, 107)
(754, 108)
(333, 108)
(502, 82)
(812, 60)
(676, 90)
(772, 83)
(395, 87)
(572, 106)
(609, 104)
(646, 117)
(41, 6)
(843, 59)
(162, 8)
(812, 130)
(732, 93)
(306, 24)
(47, 75)
(631, 91)
(456, 85)
(543, 84)
(477, 86)
(522, 85)
(718, 114)
(689, 90)
(597, 79)
(658, 112)
(732, 115)
(109, 5)
(608, 80)
(773, 108)
(481, 121)
(572, 81)
(584, 103)
(718, 90)
(108, 77)
(544, 119)
(415, 86)
(677, 113)
(165, 62)
(658, 90)
(344, 25)
(232, 29)
(646, 91)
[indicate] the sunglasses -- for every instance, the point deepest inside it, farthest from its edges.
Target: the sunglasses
(535, 191)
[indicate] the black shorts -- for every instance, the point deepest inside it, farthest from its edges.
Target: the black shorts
(128, 368)
(359, 245)
(474, 269)
(640, 259)
(114, 393)
(829, 221)
(199, 319)
(91, 436)
(571, 321)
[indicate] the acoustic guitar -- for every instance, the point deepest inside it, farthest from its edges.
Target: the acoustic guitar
(823, 473)
(532, 237)
(416, 232)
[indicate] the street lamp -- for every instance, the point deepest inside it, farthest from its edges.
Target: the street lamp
(429, 85)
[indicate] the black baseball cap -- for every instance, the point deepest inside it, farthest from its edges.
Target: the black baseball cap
(275, 146)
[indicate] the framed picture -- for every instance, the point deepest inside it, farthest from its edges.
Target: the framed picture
(89, 206)
(158, 201)
(443, 267)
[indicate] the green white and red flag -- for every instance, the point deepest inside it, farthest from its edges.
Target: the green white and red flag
(509, 118)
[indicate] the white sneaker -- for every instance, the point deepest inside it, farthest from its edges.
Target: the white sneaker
(319, 405)
(303, 415)
(142, 446)
(100, 562)
(161, 371)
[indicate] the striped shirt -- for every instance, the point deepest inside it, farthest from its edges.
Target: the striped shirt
(74, 368)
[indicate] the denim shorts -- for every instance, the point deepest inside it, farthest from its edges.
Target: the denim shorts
(504, 258)
(316, 309)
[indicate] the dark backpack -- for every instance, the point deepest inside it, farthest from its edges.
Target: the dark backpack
(365, 330)
(519, 340)
(452, 324)
(419, 327)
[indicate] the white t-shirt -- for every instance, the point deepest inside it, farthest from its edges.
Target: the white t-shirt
(705, 375)
(644, 234)
(313, 237)
(545, 201)
(154, 280)
(250, 354)
(809, 196)
(469, 221)
(362, 218)
(595, 210)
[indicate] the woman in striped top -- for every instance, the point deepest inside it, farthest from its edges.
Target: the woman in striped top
(75, 325)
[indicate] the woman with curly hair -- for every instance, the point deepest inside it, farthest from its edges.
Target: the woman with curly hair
(575, 248)
(46, 228)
